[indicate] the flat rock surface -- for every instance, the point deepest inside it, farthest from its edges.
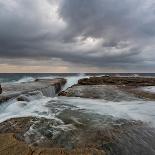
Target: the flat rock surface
(9, 145)
(48, 87)
(77, 132)
(30, 86)
(128, 81)
(107, 92)
(112, 88)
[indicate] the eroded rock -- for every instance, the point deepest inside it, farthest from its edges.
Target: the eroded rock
(48, 87)
(128, 81)
(72, 130)
(107, 92)
(9, 145)
(111, 88)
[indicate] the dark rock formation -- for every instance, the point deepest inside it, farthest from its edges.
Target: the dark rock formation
(128, 81)
(0, 89)
(48, 87)
(9, 145)
(63, 93)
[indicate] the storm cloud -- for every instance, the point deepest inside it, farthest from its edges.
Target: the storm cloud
(84, 33)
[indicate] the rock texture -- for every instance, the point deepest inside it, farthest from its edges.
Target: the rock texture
(48, 87)
(111, 88)
(128, 81)
(107, 92)
(9, 145)
(81, 133)
(137, 92)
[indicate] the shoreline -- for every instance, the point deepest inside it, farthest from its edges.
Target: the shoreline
(73, 130)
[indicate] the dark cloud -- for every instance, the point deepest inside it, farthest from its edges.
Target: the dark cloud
(99, 33)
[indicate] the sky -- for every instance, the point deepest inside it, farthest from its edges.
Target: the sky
(77, 36)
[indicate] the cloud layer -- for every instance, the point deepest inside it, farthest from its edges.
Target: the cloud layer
(84, 34)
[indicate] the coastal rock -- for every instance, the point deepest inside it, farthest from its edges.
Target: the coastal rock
(9, 145)
(138, 92)
(77, 132)
(127, 81)
(107, 92)
(58, 138)
(0, 89)
(48, 87)
(112, 88)
(62, 93)
(30, 96)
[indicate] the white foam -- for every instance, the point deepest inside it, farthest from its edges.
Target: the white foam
(72, 80)
(150, 89)
(136, 110)
(14, 109)
(25, 79)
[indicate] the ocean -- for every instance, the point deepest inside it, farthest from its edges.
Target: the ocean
(23, 77)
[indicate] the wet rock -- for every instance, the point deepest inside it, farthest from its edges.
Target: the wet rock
(128, 81)
(62, 93)
(94, 130)
(11, 146)
(18, 126)
(73, 129)
(111, 88)
(138, 141)
(22, 98)
(48, 87)
(30, 96)
(0, 89)
(138, 92)
(107, 92)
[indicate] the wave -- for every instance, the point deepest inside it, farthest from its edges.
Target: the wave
(48, 107)
(25, 79)
(131, 110)
(72, 80)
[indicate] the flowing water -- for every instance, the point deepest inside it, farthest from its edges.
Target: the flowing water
(96, 113)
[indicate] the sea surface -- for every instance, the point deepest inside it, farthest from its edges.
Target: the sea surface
(24, 77)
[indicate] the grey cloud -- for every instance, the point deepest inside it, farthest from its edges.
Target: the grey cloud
(124, 30)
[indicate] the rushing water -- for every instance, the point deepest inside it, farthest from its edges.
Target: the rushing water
(50, 107)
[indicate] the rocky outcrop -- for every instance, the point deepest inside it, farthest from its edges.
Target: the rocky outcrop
(127, 81)
(137, 92)
(107, 92)
(9, 145)
(111, 88)
(80, 133)
(48, 87)
(0, 89)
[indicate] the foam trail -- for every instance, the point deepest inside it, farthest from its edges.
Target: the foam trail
(72, 80)
(135, 110)
(14, 109)
(150, 89)
(25, 79)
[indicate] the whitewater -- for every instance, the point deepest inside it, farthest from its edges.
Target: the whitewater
(40, 106)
